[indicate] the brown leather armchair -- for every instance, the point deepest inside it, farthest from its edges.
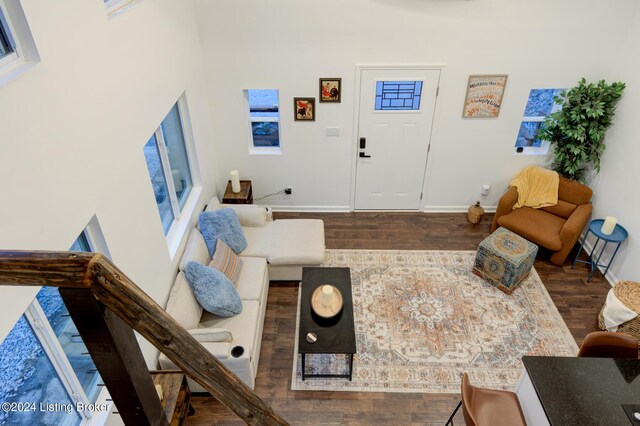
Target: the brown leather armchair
(556, 228)
(606, 344)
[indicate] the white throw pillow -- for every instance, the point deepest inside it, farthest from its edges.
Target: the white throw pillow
(182, 305)
(213, 205)
(195, 250)
(249, 214)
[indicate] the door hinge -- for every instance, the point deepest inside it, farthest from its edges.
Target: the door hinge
(421, 196)
(437, 90)
(429, 148)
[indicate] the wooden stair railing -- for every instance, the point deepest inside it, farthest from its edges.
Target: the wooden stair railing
(106, 307)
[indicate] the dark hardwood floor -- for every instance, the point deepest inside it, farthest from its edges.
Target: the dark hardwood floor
(578, 301)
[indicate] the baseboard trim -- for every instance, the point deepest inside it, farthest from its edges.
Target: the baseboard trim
(311, 209)
(610, 277)
(455, 209)
(347, 209)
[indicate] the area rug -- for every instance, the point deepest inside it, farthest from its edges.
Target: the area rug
(422, 318)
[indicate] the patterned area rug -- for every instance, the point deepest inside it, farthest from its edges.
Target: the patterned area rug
(422, 318)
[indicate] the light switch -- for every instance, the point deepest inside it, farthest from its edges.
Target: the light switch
(332, 131)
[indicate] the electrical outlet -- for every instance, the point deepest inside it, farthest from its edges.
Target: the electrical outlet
(288, 190)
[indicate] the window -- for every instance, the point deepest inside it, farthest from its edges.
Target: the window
(43, 360)
(539, 105)
(169, 170)
(17, 48)
(264, 120)
(7, 45)
(398, 95)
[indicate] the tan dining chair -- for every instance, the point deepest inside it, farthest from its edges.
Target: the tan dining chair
(488, 407)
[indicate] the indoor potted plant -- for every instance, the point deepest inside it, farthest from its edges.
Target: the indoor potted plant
(578, 129)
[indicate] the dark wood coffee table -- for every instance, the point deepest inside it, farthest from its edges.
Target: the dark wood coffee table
(335, 335)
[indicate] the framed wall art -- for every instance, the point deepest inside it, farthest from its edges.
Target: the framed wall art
(330, 89)
(484, 96)
(304, 109)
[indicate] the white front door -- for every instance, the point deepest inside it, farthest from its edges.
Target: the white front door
(396, 113)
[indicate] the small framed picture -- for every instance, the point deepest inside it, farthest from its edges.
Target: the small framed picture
(484, 95)
(304, 109)
(330, 89)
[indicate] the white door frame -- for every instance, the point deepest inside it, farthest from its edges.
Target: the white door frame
(356, 121)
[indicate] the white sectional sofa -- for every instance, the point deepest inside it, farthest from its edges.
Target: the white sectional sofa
(287, 244)
(279, 246)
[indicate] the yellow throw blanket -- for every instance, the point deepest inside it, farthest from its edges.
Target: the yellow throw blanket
(537, 187)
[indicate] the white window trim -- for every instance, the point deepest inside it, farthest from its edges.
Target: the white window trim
(265, 120)
(166, 170)
(534, 150)
(55, 353)
(9, 59)
(25, 54)
(262, 150)
(179, 227)
(116, 7)
(95, 237)
(543, 149)
(15, 58)
(181, 217)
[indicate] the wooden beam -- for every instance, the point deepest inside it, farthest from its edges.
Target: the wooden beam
(116, 353)
(117, 292)
(113, 288)
(39, 268)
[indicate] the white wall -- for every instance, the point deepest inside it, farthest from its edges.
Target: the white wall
(288, 45)
(616, 189)
(74, 127)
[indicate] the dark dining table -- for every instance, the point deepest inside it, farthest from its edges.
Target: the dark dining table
(586, 391)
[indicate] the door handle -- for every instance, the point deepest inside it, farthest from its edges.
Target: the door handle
(363, 155)
(363, 143)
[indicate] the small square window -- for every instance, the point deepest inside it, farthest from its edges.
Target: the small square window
(264, 120)
(540, 104)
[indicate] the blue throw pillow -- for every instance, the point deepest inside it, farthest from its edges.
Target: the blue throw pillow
(213, 290)
(223, 224)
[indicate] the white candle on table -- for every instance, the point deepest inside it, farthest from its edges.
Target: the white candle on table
(327, 295)
(235, 181)
(609, 225)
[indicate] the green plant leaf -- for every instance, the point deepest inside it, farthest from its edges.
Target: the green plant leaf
(578, 129)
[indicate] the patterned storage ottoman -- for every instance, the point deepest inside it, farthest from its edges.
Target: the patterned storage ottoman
(504, 259)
